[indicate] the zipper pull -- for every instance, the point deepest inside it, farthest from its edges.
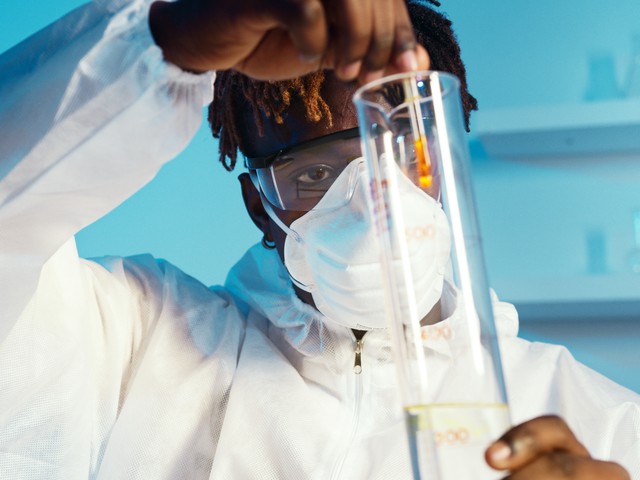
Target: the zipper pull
(357, 366)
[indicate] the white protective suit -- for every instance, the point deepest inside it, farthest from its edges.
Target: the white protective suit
(130, 369)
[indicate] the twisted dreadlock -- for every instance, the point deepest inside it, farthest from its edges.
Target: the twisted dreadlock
(235, 91)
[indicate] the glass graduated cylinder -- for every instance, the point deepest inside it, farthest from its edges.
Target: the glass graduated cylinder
(452, 387)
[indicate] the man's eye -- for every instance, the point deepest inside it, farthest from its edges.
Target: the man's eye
(315, 174)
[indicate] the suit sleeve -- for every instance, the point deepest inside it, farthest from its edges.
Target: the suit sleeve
(89, 111)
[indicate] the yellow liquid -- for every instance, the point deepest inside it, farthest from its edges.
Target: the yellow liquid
(424, 162)
(447, 441)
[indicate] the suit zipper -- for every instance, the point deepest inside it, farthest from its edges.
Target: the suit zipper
(357, 364)
(357, 369)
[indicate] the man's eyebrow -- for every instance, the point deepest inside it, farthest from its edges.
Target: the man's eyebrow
(283, 162)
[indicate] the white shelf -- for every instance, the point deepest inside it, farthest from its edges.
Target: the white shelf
(613, 296)
(582, 129)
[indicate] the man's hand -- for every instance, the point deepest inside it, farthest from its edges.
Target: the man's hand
(545, 448)
(274, 40)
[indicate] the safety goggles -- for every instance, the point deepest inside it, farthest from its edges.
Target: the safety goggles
(297, 177)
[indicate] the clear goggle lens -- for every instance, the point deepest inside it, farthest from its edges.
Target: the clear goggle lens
(297, 178)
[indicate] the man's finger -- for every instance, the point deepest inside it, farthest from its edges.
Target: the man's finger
(306, 22)
(383, 38)
(406, 50)
(352, 28)
(527, 441)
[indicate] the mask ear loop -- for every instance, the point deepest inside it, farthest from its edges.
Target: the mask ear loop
(354, 176)
(272, 215)
(269, 209)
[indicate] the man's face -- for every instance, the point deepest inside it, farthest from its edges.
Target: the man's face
(296, 129)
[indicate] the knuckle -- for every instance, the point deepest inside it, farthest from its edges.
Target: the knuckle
(559, 425)
(302, 12)
(383, 40)
(405, 39)
(352, 38)
(358, 34)
(355, 43)
(618, 471)
(562, 463)
(311, 11)
(379, 52)
(553, 420)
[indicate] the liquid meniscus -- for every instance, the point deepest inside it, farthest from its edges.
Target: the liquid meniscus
(447, 441)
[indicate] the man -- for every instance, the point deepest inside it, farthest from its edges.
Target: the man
(128, 368)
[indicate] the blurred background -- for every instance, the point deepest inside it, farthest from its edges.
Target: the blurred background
(555, 159)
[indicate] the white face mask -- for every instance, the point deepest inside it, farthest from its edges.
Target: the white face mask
(332, 252)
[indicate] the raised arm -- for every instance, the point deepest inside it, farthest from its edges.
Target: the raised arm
(89, 112)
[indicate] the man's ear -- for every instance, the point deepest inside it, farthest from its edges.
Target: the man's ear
(253, 204)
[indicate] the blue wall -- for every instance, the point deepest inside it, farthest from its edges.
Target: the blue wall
(522, 54)
(557, 230)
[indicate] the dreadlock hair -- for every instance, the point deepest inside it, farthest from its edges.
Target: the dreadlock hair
(235, 92)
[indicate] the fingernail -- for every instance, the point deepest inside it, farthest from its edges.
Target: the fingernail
(310, 58)
(371, 76)
(351, 70)
(408, 60)
(500, 451)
